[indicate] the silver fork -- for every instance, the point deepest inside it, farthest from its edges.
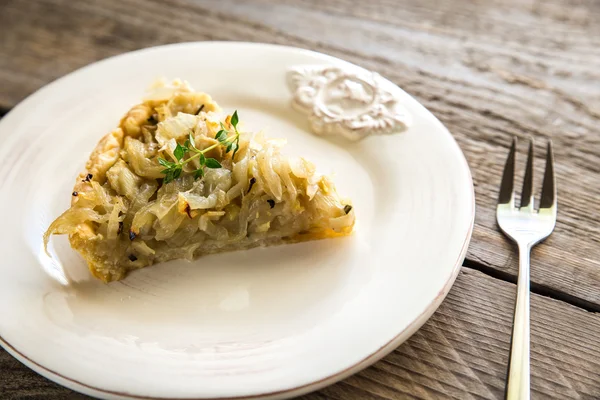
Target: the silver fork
(526, 227)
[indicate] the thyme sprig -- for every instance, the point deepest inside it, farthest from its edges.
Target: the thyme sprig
(230, 138)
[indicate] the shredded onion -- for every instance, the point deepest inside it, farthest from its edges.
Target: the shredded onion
(127, 217)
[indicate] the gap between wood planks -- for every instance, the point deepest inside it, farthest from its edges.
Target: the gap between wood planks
(536, 288)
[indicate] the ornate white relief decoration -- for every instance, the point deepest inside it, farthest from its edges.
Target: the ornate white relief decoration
(346, 102)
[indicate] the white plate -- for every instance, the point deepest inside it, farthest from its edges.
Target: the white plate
(272, 322)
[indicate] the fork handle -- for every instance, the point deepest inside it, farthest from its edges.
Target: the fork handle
(517, 387)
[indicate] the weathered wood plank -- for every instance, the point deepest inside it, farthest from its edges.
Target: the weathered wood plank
(488, 70)
(461, 353)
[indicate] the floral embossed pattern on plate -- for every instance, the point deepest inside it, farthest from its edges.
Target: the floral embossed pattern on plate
(341, 101)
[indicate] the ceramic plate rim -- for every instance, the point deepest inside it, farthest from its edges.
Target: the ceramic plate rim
(299, 390)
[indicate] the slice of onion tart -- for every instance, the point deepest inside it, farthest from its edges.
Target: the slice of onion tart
(177, 179)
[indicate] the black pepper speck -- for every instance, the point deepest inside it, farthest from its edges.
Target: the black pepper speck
(252, 182)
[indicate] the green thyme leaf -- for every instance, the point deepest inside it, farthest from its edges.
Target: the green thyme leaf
(234, 119)
(179, 152)
(168, 176)
(198, 173)
(221, 136)
(164, 162)
(177, 173)
(202, 159)
(192, 141)
(212, 163)
(229, 146)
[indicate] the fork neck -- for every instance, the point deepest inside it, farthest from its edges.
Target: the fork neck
(524, 258)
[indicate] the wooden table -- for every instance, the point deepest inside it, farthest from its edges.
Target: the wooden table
(488, 70)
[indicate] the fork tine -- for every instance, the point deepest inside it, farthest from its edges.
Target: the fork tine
(549, 186)
(507, 193)
(527, 193)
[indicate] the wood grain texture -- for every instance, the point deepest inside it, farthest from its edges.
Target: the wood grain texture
(489, 70)
(460, 353)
